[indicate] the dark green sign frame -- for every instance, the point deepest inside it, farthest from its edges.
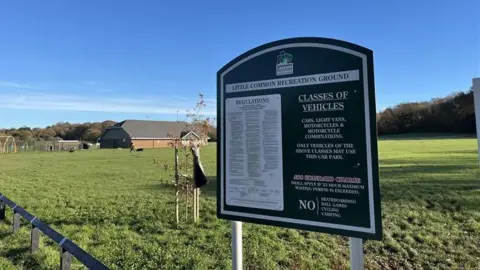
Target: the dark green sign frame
(297, 145)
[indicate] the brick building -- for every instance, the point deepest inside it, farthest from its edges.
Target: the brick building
(144, 134)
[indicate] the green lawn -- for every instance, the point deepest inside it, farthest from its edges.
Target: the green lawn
(113, 205)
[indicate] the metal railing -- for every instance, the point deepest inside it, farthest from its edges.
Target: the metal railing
(67, 247)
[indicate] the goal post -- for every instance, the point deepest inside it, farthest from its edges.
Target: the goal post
(7, 144)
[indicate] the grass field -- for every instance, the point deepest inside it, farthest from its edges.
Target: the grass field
(112, 204)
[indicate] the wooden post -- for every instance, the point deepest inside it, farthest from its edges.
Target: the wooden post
(186, 184)
(177, 184)
(187, 192)
(194, 204)
(2, 210)
(16, 221)
(35, 238)
(196, 190)
(198, 204)
(65, 259)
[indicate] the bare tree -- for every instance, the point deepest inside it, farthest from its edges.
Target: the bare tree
(185, 146)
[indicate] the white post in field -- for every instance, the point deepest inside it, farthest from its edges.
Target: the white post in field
(237, 249)
(356, 253)
(476, 97)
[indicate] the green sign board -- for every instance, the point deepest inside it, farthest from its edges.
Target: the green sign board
(297, 138)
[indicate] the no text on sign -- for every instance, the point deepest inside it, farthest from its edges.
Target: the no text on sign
(298, 140)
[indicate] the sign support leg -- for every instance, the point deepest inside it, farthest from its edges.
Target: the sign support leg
(237, 250)
(356, 253)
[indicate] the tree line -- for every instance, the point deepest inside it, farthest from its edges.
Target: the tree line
(454, 113)
(90, 132)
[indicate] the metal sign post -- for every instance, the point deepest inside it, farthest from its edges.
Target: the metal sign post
(237, 247)
(476, 97)
(356, 253)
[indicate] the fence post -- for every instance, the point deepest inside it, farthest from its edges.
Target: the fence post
(16, 221)
(2, 210)
(65, 259)
(35, 238)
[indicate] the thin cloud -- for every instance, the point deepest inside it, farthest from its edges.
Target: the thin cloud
(15, 85)
(53, 102)
(106, 90)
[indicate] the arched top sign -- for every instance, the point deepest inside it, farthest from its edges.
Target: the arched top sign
(298, 143)
(317, 42)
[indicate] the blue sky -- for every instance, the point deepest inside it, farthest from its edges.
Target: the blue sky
(93, 60)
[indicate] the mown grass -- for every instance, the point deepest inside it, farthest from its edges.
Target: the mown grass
(113, 205)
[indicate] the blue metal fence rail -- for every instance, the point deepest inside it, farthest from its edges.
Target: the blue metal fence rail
(67, 247)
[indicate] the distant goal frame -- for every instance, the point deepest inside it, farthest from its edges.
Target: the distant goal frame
(3, 144)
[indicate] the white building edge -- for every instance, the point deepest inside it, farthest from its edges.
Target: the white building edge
(476, 97)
